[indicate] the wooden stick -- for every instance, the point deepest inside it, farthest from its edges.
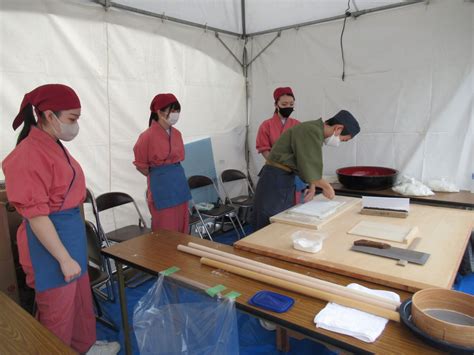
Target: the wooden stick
(329, 287)
(326, 296)
(390, 304)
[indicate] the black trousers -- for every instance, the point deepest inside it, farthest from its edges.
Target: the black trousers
(275, 193)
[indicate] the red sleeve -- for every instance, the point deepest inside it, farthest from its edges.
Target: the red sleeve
(263, 138)
(28, 178)
(141, 151)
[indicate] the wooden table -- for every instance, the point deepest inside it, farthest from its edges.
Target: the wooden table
(463, 199)
(444, 234)
(20, 333)
(153, 253)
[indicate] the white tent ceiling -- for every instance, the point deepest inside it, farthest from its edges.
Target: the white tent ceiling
(260, 15)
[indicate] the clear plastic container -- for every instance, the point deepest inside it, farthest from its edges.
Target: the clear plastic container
(308, 241)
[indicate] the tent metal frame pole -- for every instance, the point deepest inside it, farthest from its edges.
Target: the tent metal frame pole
(354, 14)
(247, 64)
(247, 108)
(245, 68)
(163, 17)
(228, 49)
(244, 29)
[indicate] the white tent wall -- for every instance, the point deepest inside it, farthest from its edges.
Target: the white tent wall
(117, 61)
(409, 80)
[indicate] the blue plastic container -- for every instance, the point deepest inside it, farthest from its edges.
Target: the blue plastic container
(272, 301)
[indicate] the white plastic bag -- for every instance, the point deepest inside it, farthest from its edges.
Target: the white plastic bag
(409, 186)
(172, 319)
(442, 186)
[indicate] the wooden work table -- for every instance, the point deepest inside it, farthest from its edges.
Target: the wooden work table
(463, 199)
(20, 333)
(155, 252)
(443, 232)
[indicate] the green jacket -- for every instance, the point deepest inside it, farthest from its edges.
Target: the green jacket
(300, 149)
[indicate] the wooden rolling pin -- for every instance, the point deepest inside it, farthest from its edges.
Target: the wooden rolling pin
(338, 289)
(292, 277)
(326, 296)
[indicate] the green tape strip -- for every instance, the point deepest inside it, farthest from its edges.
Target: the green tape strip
(170, 271)
(215, 290)
(233, 295)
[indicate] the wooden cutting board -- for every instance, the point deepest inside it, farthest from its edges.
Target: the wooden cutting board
(386, 231)
(303, 220)
(444, 234)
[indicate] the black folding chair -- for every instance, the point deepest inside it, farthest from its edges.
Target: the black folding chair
(114, 199)
(243, 202)
(219, 212)
(111, 200)
(103, 242)
(98, 275)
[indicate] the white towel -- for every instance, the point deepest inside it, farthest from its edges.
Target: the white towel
(361, 325)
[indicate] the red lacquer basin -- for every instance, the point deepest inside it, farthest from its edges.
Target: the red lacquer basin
(367, 177)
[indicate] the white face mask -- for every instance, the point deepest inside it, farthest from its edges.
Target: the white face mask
(332, 141)
(68, 131)
(173, 118)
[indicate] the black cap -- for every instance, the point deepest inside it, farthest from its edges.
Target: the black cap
(351, 126)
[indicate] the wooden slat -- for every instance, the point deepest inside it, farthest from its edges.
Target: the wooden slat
(20, 333)
(444, 234)
(462, 199)
(156, 252)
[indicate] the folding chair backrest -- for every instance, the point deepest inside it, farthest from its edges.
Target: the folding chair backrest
(115, 199)
(112, 199)
(198, 181)
(232, 175)
(93, 244)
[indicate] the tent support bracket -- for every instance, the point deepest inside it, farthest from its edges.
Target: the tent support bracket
(265, 48)
(228, 49)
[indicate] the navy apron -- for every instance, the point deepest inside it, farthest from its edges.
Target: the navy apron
(275, 193)
(169, 186)
(72, 233)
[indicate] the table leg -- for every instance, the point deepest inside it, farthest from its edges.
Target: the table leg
(282, 339)
(123, 308)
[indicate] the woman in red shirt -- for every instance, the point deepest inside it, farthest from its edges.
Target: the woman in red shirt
(46, 185)
(158, 153)
(271, 129)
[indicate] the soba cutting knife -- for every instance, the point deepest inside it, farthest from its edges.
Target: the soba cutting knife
(387, 251)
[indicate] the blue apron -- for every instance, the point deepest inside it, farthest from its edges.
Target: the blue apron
(300, 185)
(72, 232)
(169, 186)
